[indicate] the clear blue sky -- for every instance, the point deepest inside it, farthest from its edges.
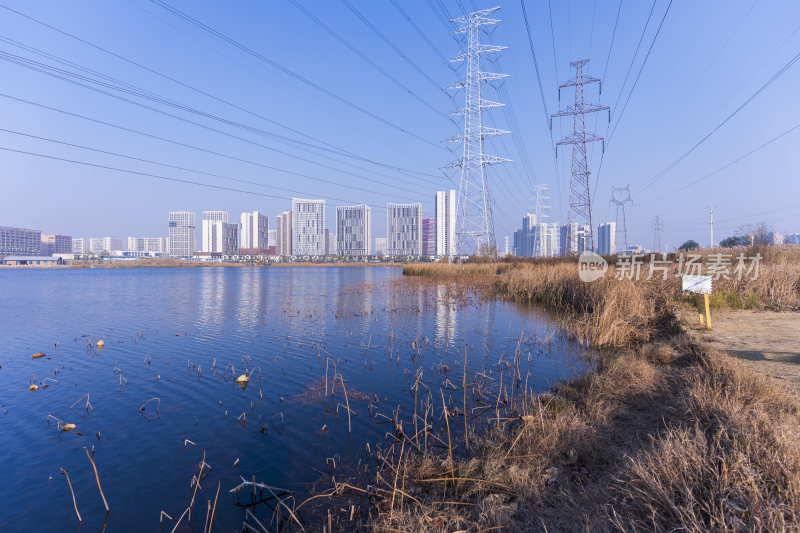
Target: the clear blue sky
(707, 60)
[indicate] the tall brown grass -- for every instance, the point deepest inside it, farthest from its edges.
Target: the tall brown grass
(665, 434)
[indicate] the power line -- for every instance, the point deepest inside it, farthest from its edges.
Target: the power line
(167, 165)
(143, 93)
(199, 91)
(641, 68)
(763, 87)
(419, 31)
(363, 56)
(731, 163)
(391, 45)
(289, 72)
(59, 74)
(172, 141)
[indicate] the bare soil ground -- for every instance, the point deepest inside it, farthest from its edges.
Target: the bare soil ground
(767, 341)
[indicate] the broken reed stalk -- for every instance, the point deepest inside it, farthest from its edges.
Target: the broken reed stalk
(179, 520)
(449, 445)
(97, 477)
(214, 508)
(464, 388)
(394, 485)
(349, 427)
(161, 517)
(197, 483)
(73, 494)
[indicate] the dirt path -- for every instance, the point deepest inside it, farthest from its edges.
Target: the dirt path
(768, 342)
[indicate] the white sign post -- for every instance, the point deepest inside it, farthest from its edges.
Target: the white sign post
(699, 285)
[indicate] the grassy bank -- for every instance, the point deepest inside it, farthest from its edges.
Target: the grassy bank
(665, 434)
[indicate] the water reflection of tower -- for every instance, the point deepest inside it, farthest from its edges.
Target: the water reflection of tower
(445, 319)
(487, 336)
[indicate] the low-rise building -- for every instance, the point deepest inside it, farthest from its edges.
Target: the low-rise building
(32, 260)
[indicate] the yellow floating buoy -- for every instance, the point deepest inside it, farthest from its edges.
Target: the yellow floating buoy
(100, 344)
(33, 387)
(37, 355)
(68, 427)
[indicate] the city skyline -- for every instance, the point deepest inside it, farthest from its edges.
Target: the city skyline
(662, 94)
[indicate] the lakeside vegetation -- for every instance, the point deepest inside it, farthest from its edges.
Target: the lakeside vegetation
(664, 434)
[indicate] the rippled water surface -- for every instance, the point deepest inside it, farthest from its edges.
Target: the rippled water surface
(173, 333)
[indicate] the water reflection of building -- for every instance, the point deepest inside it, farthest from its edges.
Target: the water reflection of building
(211, 305)
(445, 316)
(252, 298)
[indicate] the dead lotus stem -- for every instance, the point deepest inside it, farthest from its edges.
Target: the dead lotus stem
(158, 403)
(74, 503)
(81, 398)
(97, 477)
(161, 517)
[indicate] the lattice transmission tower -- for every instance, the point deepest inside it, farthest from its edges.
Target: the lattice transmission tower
(580, 198)
(619, 197)
(539, 210)
(658, 227)
(474, 220)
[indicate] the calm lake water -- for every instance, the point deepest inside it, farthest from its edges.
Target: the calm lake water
(164, 329)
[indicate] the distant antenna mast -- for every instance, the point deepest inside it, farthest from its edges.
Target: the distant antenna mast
(620, 195)
(711, 224)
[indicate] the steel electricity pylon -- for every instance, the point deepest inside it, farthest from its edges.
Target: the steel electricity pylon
(658, 227)
(539, 210)
(619, 196)
(580, 198)
(474, 220)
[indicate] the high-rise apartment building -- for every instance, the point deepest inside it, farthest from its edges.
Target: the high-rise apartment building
(255, 231)
(220, 237)
(549, 239)
(353, 230)
(272, 238)
(20, 241)
(607, 238)
(182, 236)
(56, 244)
(445, 223)
(428, 236)
(308, 227)
(525, 237)
(210, 243)
(404, 229)
(574, 238)
(283, 238)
